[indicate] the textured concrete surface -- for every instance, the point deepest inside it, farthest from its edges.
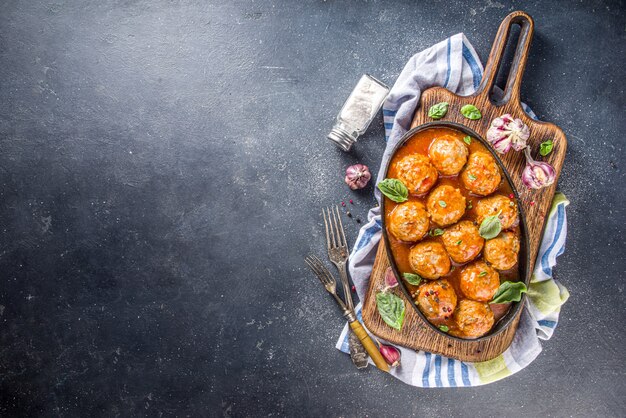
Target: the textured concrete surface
(162, 167)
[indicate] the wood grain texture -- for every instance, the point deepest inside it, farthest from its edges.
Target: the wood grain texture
(416, 333)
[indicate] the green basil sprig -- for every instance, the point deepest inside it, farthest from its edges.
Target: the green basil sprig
(436, 232)
(394, 189)
(444, 328)
(471, 112)
(412, 278)
(467, 139)
(509, 292)
(546, 147)
(490, 227)
(391, 309)
(438, 110)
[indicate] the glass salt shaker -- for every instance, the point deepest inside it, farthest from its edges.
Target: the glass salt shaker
(358, 111)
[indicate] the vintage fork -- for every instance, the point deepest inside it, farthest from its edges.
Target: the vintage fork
(337, 246)
(329, 283)
(338, 249)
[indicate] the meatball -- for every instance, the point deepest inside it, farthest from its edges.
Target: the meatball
(429, 259)
(417, 173)
(479, 281)
(502, 251)
(498, 204)
(473, 319)
(446, 205)
(437, 299)
(448, 154)
(462, 241)
(482, 174)
(409, 221)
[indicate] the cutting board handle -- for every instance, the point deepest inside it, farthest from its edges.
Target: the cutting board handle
(514, 79)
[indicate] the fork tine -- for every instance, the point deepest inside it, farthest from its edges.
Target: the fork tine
(332, 242)
(335, 229)
(343, 234)
(322, 269)
(326, 228)
(315, 270)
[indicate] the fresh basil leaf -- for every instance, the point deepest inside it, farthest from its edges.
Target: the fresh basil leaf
(436, 232)
(459, 242)
(394, 189)
(509, 292)
(467, 140)
(391, 309)
(490, 227)
(438, 111)
(442, 204)
(482, 273)
(471, 112)
(444, 328)
(412, 278)
(471, 177)
(546, 148)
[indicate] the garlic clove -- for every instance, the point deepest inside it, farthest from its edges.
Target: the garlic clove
(537, 174)
(357, 176)
(390, 353)
(390, 279)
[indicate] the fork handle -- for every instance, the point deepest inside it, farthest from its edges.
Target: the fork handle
(369, 345)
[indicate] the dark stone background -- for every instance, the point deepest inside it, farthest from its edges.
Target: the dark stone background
(162, 168)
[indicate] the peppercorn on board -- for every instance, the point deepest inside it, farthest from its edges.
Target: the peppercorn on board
(416, 333)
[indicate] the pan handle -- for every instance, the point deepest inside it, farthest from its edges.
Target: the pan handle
(514, 79)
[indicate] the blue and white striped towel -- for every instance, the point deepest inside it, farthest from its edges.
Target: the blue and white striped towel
(454, 65)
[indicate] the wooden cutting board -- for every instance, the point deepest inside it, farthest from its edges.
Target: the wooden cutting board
(416, 333)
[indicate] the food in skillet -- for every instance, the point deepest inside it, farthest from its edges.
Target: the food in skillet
(448, 154)
(482, 174)
(437, 299)
(446, 205)
(417, 173)
(504, 207)
(473, 319)
(502, 251)
(436, 234)
(429, 259)
(463, 242)
(409, 221)
(479, 281)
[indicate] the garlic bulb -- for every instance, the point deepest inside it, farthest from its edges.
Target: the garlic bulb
(357, 176)
(537, 174)
(506, 133)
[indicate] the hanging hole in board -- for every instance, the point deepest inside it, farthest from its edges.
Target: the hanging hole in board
(496, 95)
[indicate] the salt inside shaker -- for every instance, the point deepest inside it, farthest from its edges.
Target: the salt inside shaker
(358, 111)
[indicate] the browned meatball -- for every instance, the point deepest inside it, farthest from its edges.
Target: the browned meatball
(409, 221)
(482, 174)
(436, 299)
(502, 251)
(417, 173)
(473, 319)
(498, 204)
(462, 241)
(479, 281)
(448, 154)
(446, 205)
(429, 259)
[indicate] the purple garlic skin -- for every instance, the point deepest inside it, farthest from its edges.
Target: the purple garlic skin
(506, 133)
(537, 174)
(390, 353)
(357, 176)
(390, 279)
